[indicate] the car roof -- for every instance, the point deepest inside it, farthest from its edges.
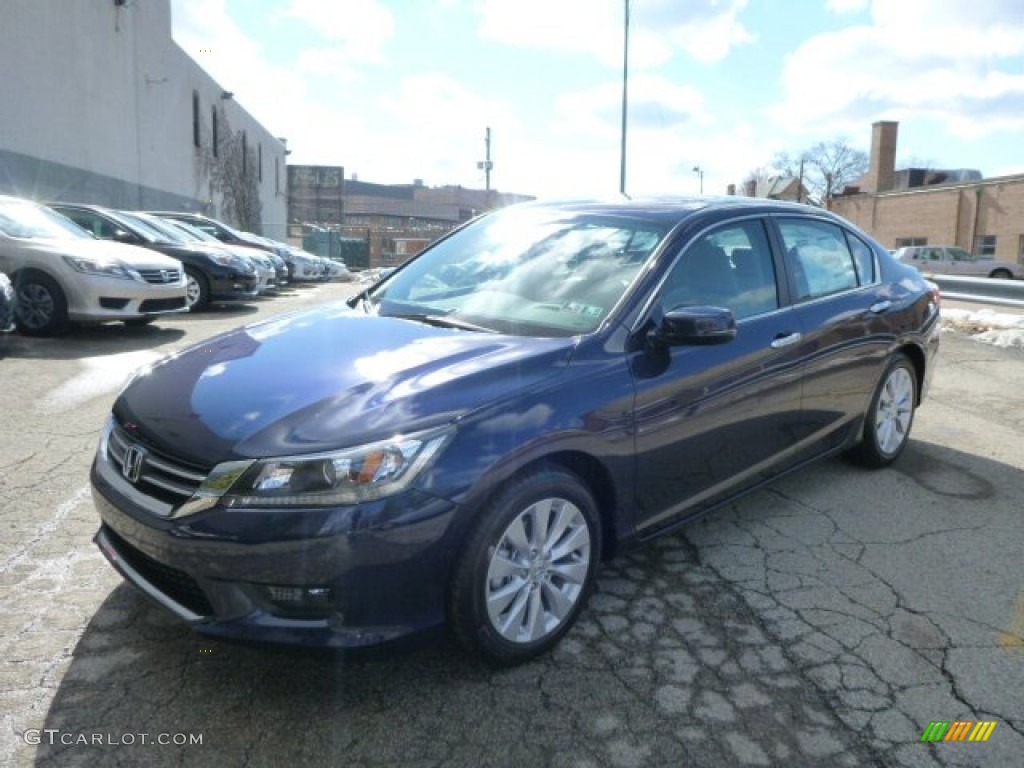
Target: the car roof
(672, 210)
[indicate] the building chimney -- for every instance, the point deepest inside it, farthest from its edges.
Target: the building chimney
(881, 175)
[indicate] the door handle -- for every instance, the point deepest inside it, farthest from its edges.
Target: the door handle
(785, 340)
(880, 306)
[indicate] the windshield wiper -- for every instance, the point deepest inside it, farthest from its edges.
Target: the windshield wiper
(442, 321)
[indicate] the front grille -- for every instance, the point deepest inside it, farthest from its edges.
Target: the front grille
(160, 276)
(177, 585)
(160, 476)
(111, 303)
(162, 305)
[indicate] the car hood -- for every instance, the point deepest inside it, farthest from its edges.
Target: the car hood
(325, 379)
(130, 255)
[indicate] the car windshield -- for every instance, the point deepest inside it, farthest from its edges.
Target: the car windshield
(522, 272)
(190, 231)
(162, 231)
(31, 222)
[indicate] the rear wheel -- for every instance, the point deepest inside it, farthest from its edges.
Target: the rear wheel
(1001, 274)
(197, 290)
(890, 416)
(527, 568)
(42, 309)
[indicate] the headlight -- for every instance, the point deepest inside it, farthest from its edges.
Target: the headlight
(105, 268)
(349, 476)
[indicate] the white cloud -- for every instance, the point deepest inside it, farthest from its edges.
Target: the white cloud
(847, 6)
(706, 30)
(953, 62)
(361, 27)
(655, 102)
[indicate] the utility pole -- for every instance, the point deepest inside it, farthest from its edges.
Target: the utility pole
(625, 80)
(487, 165)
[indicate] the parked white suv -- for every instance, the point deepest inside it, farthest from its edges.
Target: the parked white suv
(62, 274)
(951, 260)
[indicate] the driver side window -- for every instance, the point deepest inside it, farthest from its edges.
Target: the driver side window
(728, 267)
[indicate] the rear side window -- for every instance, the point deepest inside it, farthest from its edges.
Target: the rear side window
(819, 258)
(863, 259)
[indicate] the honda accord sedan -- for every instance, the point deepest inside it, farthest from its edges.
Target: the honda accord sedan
(63, 275)
(462, 443)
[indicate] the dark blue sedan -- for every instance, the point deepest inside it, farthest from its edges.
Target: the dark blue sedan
(462, 443)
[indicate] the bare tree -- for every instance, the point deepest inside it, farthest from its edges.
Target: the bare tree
(755, 177)
(824, 168)
(231, 168)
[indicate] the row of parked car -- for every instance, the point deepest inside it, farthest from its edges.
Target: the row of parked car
(67, 263)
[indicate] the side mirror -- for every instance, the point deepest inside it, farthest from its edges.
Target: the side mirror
(122, 236)
(695, 325)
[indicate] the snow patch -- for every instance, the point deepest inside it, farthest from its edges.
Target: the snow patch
(1000, 329)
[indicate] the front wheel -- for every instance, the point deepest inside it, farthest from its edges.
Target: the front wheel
(1001, 274)
(527, 568)
(197, 290)
(890, 416)
(40, 308)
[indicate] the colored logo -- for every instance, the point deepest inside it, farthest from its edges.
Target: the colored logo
(958, 730)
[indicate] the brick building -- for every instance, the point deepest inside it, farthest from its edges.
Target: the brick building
(397, 220)
(929, 207)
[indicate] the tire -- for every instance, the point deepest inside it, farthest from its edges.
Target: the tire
(42, 309)
(890, 417)
(514, 593)
(197, 290)
(1001, 274)
(139, 322)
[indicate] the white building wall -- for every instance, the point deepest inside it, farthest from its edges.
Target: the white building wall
(97, 107)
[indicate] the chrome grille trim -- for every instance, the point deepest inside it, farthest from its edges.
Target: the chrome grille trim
(172, 481)
(160, 276)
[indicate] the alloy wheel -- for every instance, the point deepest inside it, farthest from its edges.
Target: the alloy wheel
(36, 305)
(894, 411)
(193, 291)
(538, 570)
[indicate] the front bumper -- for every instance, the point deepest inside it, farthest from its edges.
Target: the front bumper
(346, 577)
(234, 286)
(97, 299)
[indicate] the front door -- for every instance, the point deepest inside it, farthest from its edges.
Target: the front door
(710, 419)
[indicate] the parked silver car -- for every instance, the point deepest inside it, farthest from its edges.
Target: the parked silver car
(952, 260)
(62, 274)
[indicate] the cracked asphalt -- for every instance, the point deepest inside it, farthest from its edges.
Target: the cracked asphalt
(824, 621)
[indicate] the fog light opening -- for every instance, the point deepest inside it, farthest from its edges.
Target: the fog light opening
(306, 601)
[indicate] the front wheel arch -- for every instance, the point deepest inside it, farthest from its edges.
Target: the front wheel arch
(546, 492)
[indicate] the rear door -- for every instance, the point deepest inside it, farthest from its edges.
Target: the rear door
(845, 313)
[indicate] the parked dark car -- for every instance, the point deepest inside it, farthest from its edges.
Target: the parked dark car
(280, 268)
(211, 274)
(6, 304)
(463, 442)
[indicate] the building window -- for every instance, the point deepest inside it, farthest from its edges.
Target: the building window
(985, 245)
(216, 132)
(277, 177)
(906, 242)
(259, 161)
(195, 118)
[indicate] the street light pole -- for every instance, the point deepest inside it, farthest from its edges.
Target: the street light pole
(700, 175)
(625, 80)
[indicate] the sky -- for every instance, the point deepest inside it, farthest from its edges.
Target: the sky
(397, 90)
